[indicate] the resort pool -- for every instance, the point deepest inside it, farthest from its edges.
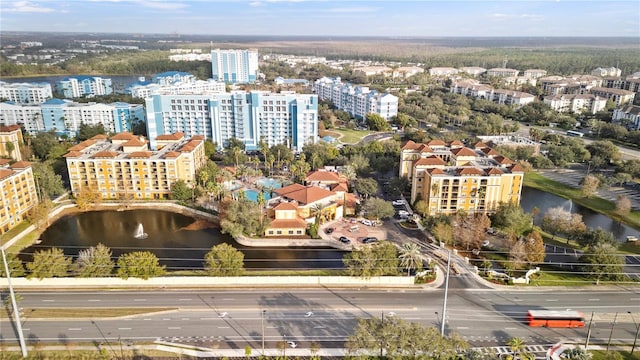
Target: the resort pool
(269, 183)
(253, 195)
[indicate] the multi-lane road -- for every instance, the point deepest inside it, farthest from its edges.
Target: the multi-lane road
(236, 318)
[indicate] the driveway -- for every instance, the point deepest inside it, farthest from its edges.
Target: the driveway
(355, 231)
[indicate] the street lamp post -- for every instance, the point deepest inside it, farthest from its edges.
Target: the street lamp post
(586, 344)
(611, 333)
(635, 339)
(262, 321)
(14, 304)
(446, 290)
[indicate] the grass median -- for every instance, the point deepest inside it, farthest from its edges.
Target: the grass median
(45, 313)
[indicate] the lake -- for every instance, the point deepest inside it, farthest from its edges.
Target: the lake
(170, 238)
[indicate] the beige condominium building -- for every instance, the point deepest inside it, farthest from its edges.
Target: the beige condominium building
(123, 167)
(17, 193)
(451, 177)
(10, 142)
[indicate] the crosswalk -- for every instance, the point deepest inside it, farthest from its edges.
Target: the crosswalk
(538, 350)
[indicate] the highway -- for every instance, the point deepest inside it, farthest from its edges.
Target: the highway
(233, 318)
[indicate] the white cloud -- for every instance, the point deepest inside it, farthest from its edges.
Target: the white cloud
(161, 5)
(354, 9)
(256, 3)
(534, 17)
(27, 7)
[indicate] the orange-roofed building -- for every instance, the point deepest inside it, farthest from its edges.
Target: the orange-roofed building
(286, 222)
(324, 178)
(18, 194)
(123, 167)
(454, 177)
(11, 141)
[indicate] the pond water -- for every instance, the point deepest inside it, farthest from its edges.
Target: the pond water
(543, 200)
(176, 239)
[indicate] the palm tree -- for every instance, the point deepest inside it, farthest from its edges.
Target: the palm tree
(410, 257)
(518, 347)
(316, 210)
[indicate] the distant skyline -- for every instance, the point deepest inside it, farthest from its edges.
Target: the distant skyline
(327, 17)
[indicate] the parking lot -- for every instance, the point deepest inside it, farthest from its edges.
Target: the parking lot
(353, 229)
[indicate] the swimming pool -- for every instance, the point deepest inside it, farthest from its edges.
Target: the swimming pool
(269, 183)
(252, 195)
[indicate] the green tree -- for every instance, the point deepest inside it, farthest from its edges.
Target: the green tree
(377, 122)
(9, 147)
(86, 199)
(592, 237)
(534, 248)
(86, 131)
(577, 353)
(410, 257)
(242, 217)
(48, 263)
(378, 208)
(16, 269)
(518, 348)
(39, 214)
(443, 232)
(43, 143)
(396, 338)
(510, 216)
(421, 207)
(368, 261)
(604, 149)
(366, 187)
(180, 191)
(558, 220)
(141, 264)
(602, 262)
(95, 261)
(49, 184)
(224, 260)
(623, 205)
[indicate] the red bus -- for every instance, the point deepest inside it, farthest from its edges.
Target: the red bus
(557, 319)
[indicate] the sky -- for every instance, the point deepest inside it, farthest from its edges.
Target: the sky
(417, 18)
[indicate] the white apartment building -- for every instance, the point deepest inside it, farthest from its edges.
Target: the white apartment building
(618, 96)
(30, 116)
(473, 88)
(534, 73)
(443, 71)
(473, 70)
(502, 72)
(26, 93)
(610, 71)
(89, 86)
(277, 118)
(234, 66)
(356, 100)
(630, 115)
(186, 87)
(576, 103)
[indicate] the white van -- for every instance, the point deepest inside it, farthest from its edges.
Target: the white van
(367, 222)
(354, 228)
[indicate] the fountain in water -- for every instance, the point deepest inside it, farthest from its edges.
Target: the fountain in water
(567, 205)
(140, 234)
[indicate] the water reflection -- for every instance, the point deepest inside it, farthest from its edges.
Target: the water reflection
(543, 200)
(176, 247)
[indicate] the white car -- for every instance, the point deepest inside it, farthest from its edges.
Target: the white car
(367, 222)
(403, 213)
(399, 202)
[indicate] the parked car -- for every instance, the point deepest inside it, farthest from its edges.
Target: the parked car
(367, 222)
(402, 213)
(398, 202)
(329, 230)
(491, 231)
(344, 240)
(369, 240)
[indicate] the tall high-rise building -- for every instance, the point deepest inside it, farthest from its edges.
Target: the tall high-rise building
(234, 66)
(277, 118)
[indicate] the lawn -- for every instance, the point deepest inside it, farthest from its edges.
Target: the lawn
(348, 136)
(626, 355)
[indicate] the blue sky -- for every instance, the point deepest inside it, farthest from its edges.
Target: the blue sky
(418, 18)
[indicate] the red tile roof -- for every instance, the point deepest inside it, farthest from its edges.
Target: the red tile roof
(490, 151)
(436, 171)
(20, 165)
(140, 154)
(431, 161)
(319, 175)
(480, 145)
(175, 136)
(123, 136)
(288, 224)
(73, 154)
(99, 137)
(9, 128)
(339, 187)
(424, 148)
(465, 151)
(470, 171)
(4, 173)
(134, 142)
(105, 154)
(171, 154)
(4, 161)
(288, 189)
(456, 143)
(285, 206)
(494, 171)
(516, 168)
(436, 142)
(502, 160)
(409, 145)
(308, 195)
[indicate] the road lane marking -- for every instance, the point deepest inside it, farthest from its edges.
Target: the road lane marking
(229, 299)
(184, 299)
(124, 328)
(509, 328)
(462, 328)
(223, 327)
(48, 300)
(166, 319)
(636, 299)
(208, 318)
(146, 319)
(517, 299)
(74, 329)
(183, 319)
(174, 328)
(271, 327)
(594, 299)
(94, 300)
(319, 327)
(139, 299)
(552, 299)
